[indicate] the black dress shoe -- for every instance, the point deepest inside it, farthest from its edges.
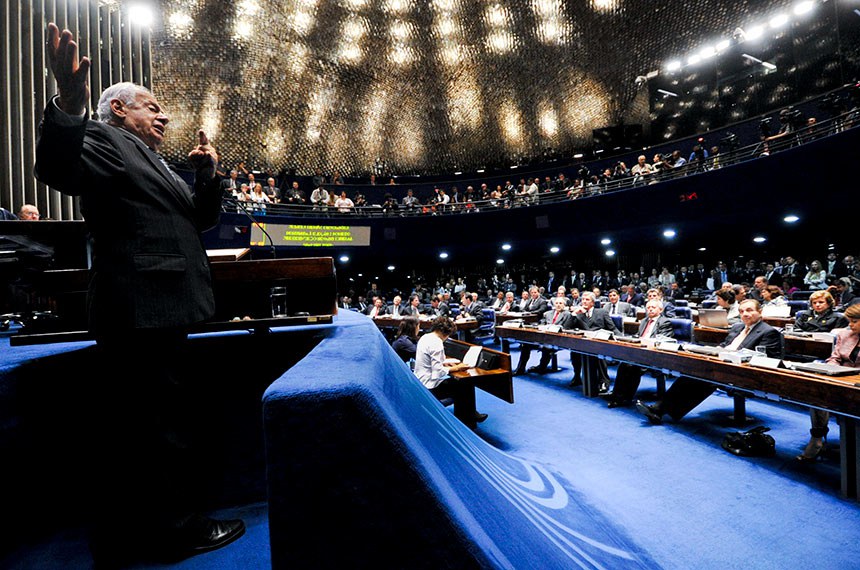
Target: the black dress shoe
(576, 382)
(618, 403)
(653, 413)
(199, 534)
(538, 370)
(479, 417)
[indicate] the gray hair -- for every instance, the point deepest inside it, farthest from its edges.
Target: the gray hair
(125, 92)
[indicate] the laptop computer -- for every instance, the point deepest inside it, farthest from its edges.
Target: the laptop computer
(825, 368)
(717, 318)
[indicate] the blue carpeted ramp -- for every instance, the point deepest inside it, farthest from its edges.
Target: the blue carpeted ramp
(366, 469)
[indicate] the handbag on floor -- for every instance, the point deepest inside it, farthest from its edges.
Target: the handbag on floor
(751, 443)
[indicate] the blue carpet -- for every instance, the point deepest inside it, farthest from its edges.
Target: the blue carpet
(684, 500)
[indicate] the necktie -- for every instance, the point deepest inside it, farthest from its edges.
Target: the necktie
(736, 344)
(612, 310)
(175, 176)
(647, 332)
(554, 317)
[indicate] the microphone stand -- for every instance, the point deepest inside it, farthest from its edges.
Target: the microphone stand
(259, 225)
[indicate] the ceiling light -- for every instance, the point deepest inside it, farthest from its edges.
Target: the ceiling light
(610, 252)
(674, 65)
(703, 249)
(694, 59)
(391, 268)
(578, 155)
(669, 233)
(344, 258)
(723, 45)
(778, 21)
(790, 219)
(506, 246)
(555, 249)
(141, 15)
(804, 7)
(606, 241)
(759, 239)
(443, 255)
(500, 261)
(755, 32)
(706, 52)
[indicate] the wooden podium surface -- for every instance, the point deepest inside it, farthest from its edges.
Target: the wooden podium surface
(241, 297)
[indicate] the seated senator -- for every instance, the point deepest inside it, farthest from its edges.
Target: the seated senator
(726, 299)
(629, 376)
(434, 373)
(845, 353)
(822, 317)
(687, 393)
(406, 339)
(559, 315)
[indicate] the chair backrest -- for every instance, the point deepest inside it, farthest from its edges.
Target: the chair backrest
(709, 304)
(798, 306)
(619, 322)
(801, 295)
(681, 303)
(455, 311)
(683, 312)
(683, 329)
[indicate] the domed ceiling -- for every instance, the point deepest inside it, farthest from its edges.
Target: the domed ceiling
(427, 86)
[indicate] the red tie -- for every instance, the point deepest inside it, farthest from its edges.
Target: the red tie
(647, 332)
(554, 317)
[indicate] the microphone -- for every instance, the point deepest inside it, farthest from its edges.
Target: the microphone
(258, 224)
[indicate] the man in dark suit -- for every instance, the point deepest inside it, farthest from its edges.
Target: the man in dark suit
(587, 317)
(536, 304)
(617, 307)
(687, 393)
(629, 376)
(558, 315)
(438, 308)
(230, 185)
(377, 309)
(150, 281)
(469, 309)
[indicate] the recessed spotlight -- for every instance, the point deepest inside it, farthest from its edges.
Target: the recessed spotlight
(506, 246)
(755, 32)
(555, 249)
(804, 7)
(723, 45)
(790, 219)
(443, 255)
(610, 252)
(694, 59)
(500, 261)
(669, 233)
(778, 21)
(703, 249)
(351, 279)
(344, 258)
(361, 274)
(391, 268)
(141, 15)
(759, 239)
(578, 155)
(605, 241)
(673, 65)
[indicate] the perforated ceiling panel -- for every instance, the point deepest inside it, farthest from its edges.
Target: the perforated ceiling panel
(427, 86)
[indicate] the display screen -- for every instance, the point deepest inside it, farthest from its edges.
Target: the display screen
(300, 235)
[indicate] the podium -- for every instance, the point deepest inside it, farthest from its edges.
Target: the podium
(241, 298)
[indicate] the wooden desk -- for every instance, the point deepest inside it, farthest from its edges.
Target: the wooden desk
(793, 344)
(840, 396)
(493, 373)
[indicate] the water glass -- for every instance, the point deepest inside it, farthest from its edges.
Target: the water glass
(278, 296)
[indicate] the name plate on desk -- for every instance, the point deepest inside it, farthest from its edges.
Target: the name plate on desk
(823, 337)
(668, 346)
(550, 328)
(599, 335)
(735, 357)
(766, 362)
(649, 342)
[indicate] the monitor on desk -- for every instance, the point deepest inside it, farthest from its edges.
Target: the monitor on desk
(717, 318)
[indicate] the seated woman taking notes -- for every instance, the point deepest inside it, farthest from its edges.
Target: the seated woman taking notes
(432, 370)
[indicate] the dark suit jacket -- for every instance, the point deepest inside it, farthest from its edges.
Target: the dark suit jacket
(600, 319)
(622, 308)
(762, 334)
(565, 320)
(150, 269)
(538, 305)
(476, 310)
(383, 310)
(663, 327)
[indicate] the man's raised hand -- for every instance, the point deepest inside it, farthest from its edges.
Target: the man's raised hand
(72, 74)
(203, 157)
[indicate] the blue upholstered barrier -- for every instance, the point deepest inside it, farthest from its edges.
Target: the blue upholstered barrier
(366, 469)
